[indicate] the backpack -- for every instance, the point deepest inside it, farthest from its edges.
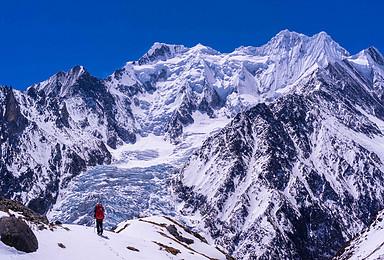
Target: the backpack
(99, 212)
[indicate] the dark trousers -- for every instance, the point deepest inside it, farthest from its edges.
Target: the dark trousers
(99, 226)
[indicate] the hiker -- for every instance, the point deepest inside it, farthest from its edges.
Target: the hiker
(99, 216)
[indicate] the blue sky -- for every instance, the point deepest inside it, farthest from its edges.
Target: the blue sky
(39, 38)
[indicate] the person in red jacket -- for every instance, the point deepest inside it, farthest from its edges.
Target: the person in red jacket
(99, 216)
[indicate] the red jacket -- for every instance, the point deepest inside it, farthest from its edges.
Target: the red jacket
(99, 212)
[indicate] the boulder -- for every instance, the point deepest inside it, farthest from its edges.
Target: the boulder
(16, 233)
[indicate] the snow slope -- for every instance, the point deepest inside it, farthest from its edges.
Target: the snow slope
(146, 238)
(368, 245)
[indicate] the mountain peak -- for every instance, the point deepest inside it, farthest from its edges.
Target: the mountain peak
(281, 43)
(287, 33)
(365, 59)
(323, 34)
(320, 45)
(322, 37)
(75, 72)
(161, 51)
(286, 37)
(62, 80)
(375, 55)
(204, 49)
(78, 69)
(324, 43)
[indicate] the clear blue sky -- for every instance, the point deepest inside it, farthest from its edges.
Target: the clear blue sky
(39, 38)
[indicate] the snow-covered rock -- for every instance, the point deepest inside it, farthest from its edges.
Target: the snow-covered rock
(44, 144)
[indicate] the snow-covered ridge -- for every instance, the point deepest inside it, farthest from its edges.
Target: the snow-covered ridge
(219, 84)
(366, 245)
(161, 51)
(61, 81)
(145, 238)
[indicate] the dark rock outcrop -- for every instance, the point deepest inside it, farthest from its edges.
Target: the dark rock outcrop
(16, 233)
(12, 121)
(28, 214)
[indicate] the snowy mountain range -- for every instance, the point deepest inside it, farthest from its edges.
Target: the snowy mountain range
(280, 147)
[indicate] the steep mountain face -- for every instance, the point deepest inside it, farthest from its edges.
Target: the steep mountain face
(171, 83)
(298, 177)
(91, 106)
(49, 134)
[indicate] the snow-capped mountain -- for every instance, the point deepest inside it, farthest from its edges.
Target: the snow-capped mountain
(55, 129)
(304, 149)
(46, 140)
(171, 82)
(90, 105)
(304, 172)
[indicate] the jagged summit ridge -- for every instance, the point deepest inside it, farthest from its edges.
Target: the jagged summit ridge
(240, 79)
(161, 51)
(286, 41)
(62, 82)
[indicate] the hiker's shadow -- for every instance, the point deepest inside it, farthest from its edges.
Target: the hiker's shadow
(104, 236)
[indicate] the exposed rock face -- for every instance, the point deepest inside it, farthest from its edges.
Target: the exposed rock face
(161, 52)
(45, 141)
(294, 179)
(16, 233)
(13, 122)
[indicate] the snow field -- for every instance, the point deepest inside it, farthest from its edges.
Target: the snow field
(149, 236)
